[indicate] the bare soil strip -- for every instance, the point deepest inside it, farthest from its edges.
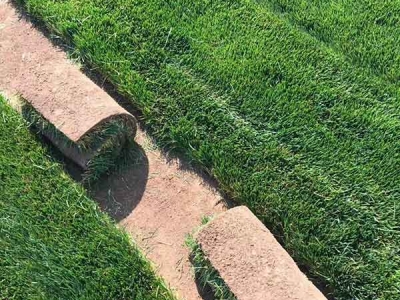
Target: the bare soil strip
(159, 203)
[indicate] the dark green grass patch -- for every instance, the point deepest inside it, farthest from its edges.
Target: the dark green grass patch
(54, 241)
(285, 124)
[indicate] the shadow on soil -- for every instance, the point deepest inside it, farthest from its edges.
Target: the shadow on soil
(119, 192)
(205, 292)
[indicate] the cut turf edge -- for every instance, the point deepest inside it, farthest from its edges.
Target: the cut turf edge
(207, 275)
(239, 258)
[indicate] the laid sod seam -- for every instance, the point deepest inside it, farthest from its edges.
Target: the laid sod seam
(286, 125)
(103, 144)
(204, 271)
(55, 243)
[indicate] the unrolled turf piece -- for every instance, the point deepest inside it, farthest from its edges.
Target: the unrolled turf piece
(250, 261)
(82, 120)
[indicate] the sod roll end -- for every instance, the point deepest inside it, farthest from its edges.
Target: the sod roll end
(96, 150)
(250, 261)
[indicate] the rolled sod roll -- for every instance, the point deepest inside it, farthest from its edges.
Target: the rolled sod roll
(252, 264)
(76, 115)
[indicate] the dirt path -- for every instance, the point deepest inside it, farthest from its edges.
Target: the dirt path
(159, 204)
(155, 201)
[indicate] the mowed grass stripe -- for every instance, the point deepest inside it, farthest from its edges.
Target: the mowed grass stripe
(309, 98)
(54, 241)
(367, 31)
(300, 143)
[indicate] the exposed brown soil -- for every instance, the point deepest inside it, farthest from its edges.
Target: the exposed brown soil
(159, 204)
(41, 74)
(251, 262)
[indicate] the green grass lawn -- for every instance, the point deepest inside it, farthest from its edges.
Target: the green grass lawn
(367, 32)
(54, 241)
(287, 125)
